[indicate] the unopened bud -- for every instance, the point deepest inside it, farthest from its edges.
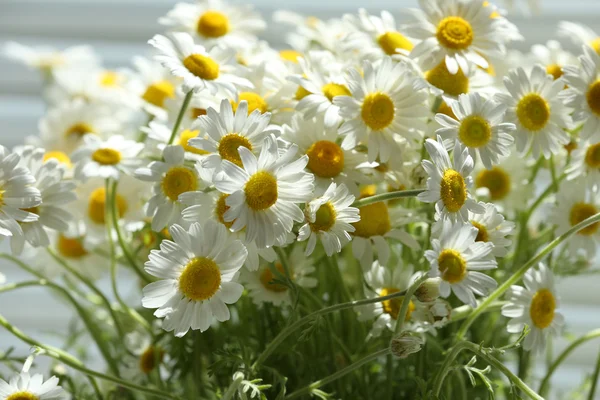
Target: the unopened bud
(406, 344)
(429, 290)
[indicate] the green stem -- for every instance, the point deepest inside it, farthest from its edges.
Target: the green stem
(387, 196)
(232, 389)
(352, 367)
(592, 393)
(550, 189)
(521, 271)
(184, 106)
(406, 302)
(565, 353)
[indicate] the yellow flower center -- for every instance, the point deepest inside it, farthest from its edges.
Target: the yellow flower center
(183, 142)
(446, 110)
(200, 279)
(332, 90)
(542, 308)
(475, 131)
(595, 44)
(290, 55)
(374, 220)
(261, 191)
(533, 112)
(455, 33)
(452, 266)
(453, 85)
(109, 79)
(324, 219)
(453, 190)
(158, 92)
(70, 247)
(301, 93)
(325, 159)
(368, 190)
(22, 396)
(179, 180)
(267, 277)
(79, 129)
(392, 306)
(255, 102)
(213, 24)
(555, 70)
(201, 66)
(496, 180)
(106, 156)
(149, 358)
(482, 232)
(593, 97)
(59, 156)
(592, 156)
(97, 204)
(580, 212)
(196, 112)
(378, 111)
(228, 147)
(1, 197)
(220, 210)
(390, 41)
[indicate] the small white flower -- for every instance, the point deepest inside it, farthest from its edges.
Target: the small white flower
(492, 228)
(579, 34)
(50, 60)
(553, 57)
(25, 386)
(585, 164)
(535, 305)
(155, 85)
(198, 272)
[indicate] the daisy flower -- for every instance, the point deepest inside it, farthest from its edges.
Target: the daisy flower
(172, 178)
(535, 107)
(327, 160)
(585, 162)
(442, 82)
(199, 68)
(575, 203)
(457, 258)
(198, 272)
(579, 35)
(449, 182)
(263, 287)
(583, 93)
(492, 228)
(26, 387)
(535, 305)
(226, 131)
(381, 107)
(458, 32)
(329, 218)
(106, 158)
(158, 135)
(553, 57)
(215, 22)
(154, 84)
(264, 192)
(199, 104)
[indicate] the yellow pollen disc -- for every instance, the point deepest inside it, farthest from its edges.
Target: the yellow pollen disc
(595, 44)
(22, 396)
(109, 79)
(325, 159)
(390, 41)
(455, 33)
(446, 110)
(593, 97)
(70, 247)
(452, 266)
(542, 308)
(196, 112)
(324, 218)
(496, 180)
(453, 85)
(482, 232)
(183, 142)
(580, 212)
(267, 277)
(555, 70)
(201, 66)
(392, 306)
(290, 55)
(302, 93)
(149, 358)
(453, 190)
(97, 203)
(592, 156)
(374, 220)
(179, 180)
(220, 210)
(58, 156)
(158, 92)
(378, 111)
(228, 147)
(106, 156)
(213, 24)
(255, 102)
(332, 90)
(79, 129)
(533, 112)
(475, 131)
(368, 190)
(261, 191)
(200, 279)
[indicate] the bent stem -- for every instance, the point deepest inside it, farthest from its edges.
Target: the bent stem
(521, 271)
(184, 106)
(387, 196)
(406, 302)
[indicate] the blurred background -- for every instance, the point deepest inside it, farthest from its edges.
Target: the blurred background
(119, 29)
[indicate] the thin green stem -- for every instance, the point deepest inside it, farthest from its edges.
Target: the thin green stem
(184, 106)
(406, 302)
(550, 189)
(521, 271)
(591, 395)
(387, 196)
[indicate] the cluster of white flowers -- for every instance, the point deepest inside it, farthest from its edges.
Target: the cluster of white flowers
(213, 159)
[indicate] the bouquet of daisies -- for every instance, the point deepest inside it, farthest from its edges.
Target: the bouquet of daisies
(379, 211)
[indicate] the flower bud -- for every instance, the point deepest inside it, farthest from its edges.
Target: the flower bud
(429, 290)
(405, 344)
